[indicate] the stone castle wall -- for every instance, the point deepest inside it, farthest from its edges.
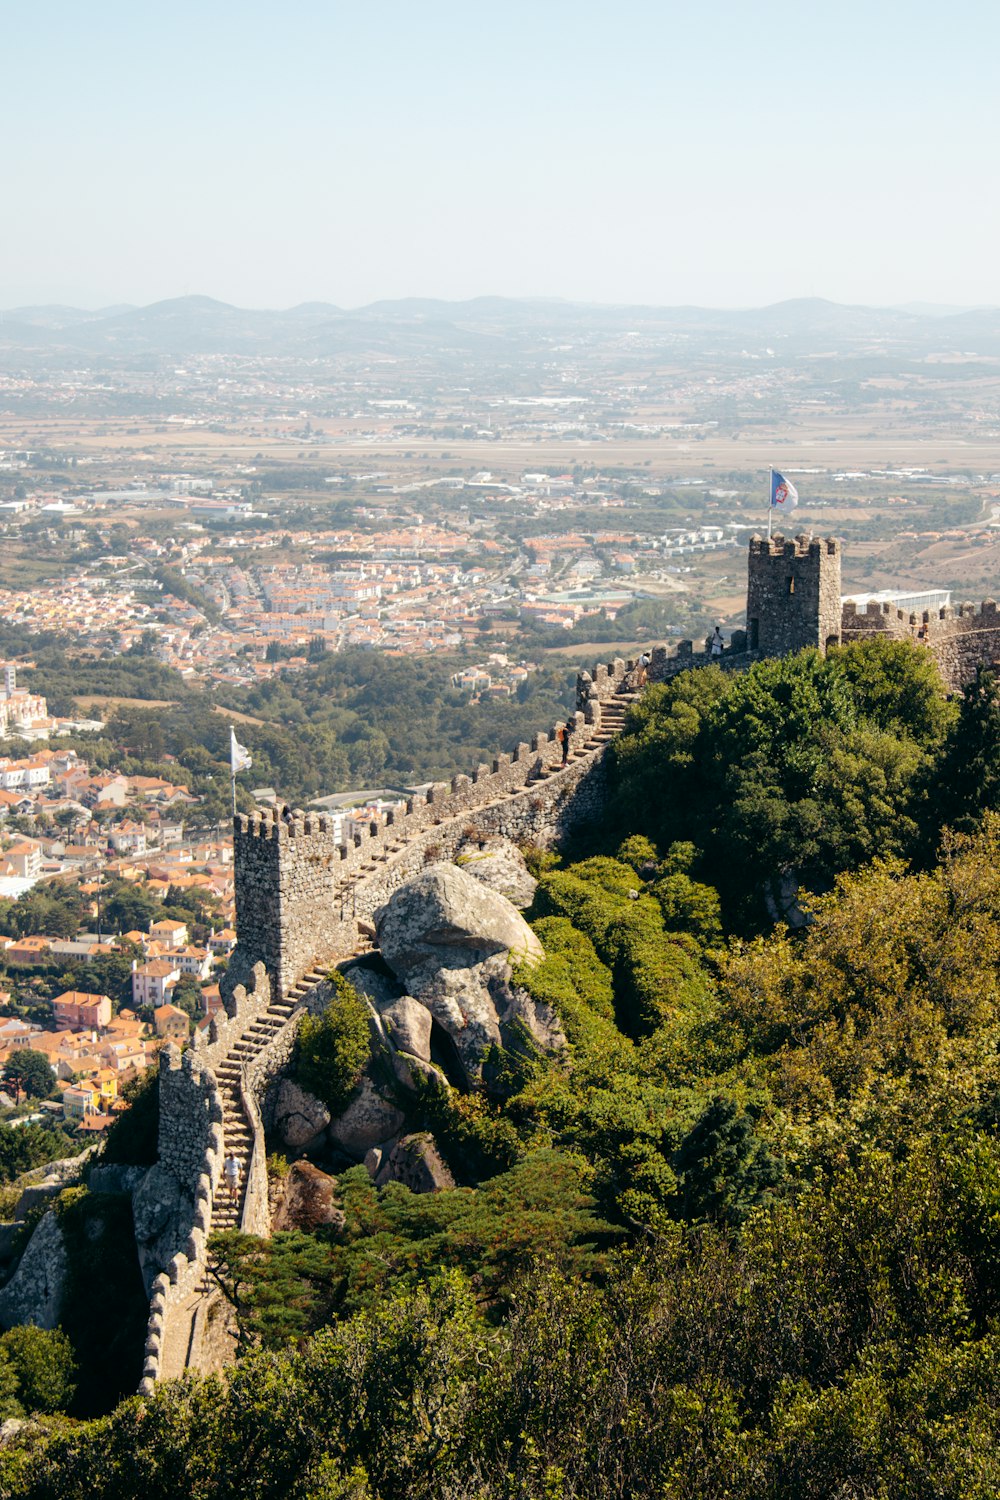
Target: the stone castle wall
(191, 1151)
(960, 639)
(793, 594)
(299, 893)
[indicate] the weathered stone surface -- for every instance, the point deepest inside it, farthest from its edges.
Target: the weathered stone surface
(793, 594)
(408, 1027)
(298, 1117)
(36, 1193)
(380, 988)
(539, 1021)
(409, 1071)
(115, 1178)
(461, 1003)
(445, 917)
(162, 1212)
(367, 1120)
(417, 1163)
(308, 1199)
(499, 865)
(34, 1293)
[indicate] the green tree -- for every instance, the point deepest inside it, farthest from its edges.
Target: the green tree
(334, 1048)
(43, 1364)
(722, 1168)
(28, 1072)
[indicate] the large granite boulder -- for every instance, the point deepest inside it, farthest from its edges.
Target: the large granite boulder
(308, 1200)
(34, 1293)
(367, 1120)
(443, 918)
(298, 1117)
(408, 1027)
(416, 1162)
(499, 865)
(377, 986)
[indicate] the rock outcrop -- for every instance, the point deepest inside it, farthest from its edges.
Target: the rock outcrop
(308, 1200)
(450, 940)
(34, 1293)
(416, 1162)
(367, 1121)
(299, 1118)
(500, 866)
(162, 1210)
(446, 919)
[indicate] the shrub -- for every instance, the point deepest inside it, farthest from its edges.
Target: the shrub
(334, 1048)
(41, 1360)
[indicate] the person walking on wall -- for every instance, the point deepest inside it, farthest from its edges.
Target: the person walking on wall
(644, 661)
(564, 742)
(232, 1174)
(717, 642)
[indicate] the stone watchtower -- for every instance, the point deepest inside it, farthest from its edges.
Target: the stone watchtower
(793, 594)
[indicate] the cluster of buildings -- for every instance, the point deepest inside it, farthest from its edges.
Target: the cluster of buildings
(84, 821)
(92, 1054)
(91, 1050)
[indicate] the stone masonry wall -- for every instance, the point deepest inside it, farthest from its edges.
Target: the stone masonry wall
(191, 1150)
(960, 639)
(793, 594)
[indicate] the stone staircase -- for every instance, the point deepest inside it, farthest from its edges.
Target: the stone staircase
(227, 1213)
(613, 714)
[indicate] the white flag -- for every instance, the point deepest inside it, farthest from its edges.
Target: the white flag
(240, 758)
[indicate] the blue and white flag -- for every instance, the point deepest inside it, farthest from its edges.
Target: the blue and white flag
(784, 496)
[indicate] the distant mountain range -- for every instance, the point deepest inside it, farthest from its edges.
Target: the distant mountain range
(487, 326)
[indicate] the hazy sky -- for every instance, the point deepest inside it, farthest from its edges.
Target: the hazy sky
(632, 150)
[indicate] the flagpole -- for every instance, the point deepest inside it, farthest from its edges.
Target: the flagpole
(232, 763)
(770, 507)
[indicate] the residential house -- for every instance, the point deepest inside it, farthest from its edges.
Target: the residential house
(170, 933)
(153, 982)
(128, 838)
(76, 1009)
(221, 944)
(81, 1100)
(193, 961)
(16, 1033)
(28, 950)
(172, 1023)
(23, 861)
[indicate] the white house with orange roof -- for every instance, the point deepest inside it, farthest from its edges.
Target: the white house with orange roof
(169, 933)
(153, 982)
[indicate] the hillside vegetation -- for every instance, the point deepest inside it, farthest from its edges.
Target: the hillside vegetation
(742, 1238)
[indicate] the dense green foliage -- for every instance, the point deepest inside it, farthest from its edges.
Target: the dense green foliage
(28, 1075)
(739, 1236)
(788, 773)
(333, 1048)
(354, 718)
(37, 1371)
(23, 1147)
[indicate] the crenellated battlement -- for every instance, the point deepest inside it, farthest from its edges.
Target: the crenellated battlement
(800, 546)
(960, 637)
